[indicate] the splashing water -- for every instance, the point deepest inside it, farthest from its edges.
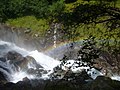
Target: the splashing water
(45, 61)
(115, 77)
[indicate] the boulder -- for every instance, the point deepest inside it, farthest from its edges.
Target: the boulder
(2, 59)
(3, 79)
(35, 72)
(108, 63)
(104, 83)
(21, 62)
(59, 85)
(14, 56)
(33, 62)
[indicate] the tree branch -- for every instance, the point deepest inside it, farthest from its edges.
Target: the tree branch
(102, 21)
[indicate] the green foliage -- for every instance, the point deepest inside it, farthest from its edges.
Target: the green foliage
(89, 51)
(39, 8)
(70, 1)
(37, 26)
(100, 19)
(23, 13)
(56, 8)
(80, 18)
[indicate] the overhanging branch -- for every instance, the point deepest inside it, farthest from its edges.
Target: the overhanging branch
(102, 21)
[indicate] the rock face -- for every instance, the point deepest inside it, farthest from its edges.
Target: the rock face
(104, 83)
(21, 62)
(23, 37)
(100, 83)
(2, 78)
(19, 37)
(13, 56)
(15, 62)
(108, 64)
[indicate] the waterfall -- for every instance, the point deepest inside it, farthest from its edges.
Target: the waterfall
(13, 75)
(55, 36)
(39, 66)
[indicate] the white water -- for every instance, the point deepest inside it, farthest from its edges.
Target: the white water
(45, 61)
(115, 77)
(92, 72)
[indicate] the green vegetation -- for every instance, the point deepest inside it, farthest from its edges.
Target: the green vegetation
(80, 18)
(19, 8)
(96, 18)
(38, 26)
(99, 19)
(37, 14)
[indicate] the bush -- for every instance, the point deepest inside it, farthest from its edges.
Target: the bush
(39, 8)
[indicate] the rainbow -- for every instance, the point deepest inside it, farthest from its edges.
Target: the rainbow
(61, 44)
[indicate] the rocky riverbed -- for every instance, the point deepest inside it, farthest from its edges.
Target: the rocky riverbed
(100, 83)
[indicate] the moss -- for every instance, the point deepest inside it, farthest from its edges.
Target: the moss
(38, 26)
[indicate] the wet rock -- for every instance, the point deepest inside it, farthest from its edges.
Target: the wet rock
(2, 59)
(14, 56)
(100, 83)
(23, 85)
(17, 60)
(104, 83)
(108, 63)
(24, 37)
(32, 61)
(45, 72)
(3, 47)
(28, 30)
(25, 79)
(3, 79)
(21, 62)
(9, 86)
(35, 72)
(59, 85)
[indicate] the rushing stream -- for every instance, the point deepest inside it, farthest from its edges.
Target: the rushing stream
(16, 70)
(8, 68)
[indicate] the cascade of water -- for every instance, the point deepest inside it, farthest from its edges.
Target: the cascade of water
(55, 36)
(45, 61)
(16, 74)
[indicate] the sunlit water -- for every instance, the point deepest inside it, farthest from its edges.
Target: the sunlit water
(47, 62)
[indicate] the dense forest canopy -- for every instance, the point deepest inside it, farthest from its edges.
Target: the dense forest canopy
(19, 8)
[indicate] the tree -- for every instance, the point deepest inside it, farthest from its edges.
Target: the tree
(90, 15)
(86, 57)
(102, 17)
(39, 8)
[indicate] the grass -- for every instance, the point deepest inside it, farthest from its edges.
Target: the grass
(38, 26)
